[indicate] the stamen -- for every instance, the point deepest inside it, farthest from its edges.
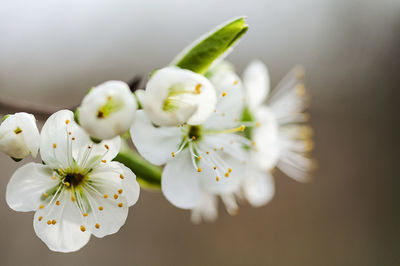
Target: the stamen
(115, 196)
(97, 226)
(83, 229)
(120, 191)
(198, 86)
(235, 82)
(45, 194)
(105, 196)
(120, 204)
(227, 174)
(53, 222)
(85, 214)
(121, 176)
(41, 206)
(241, 128)
(58, 203)
(217, 178)
(101, 208)
(199, 169)
(224, 94)
(40, 218)
(49, 222)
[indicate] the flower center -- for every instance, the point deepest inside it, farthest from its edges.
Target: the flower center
(176, 96)
(195, 132)
(112, 105)
(74, 179)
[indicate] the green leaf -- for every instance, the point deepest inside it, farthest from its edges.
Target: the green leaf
(199, 56)
(148, 175)
(5, 117)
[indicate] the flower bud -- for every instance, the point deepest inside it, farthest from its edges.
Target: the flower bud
(19, 136)
(176, 96)
(108, 110)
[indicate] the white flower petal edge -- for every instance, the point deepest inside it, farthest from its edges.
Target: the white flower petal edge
(258, 187)
(19, 136)
(257, 83)
(155, 144)
(176, 96)
(108, 110)
(79, 192)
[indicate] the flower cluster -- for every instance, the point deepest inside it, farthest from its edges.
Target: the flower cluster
(203, 133)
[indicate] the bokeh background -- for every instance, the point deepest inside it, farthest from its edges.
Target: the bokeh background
(51, 52)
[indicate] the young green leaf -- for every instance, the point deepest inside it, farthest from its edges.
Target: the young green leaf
(200, 55)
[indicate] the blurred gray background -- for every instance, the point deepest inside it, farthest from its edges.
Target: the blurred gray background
(51, 52)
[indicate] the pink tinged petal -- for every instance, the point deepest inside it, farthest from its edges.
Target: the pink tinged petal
(180, 182)
(155, 144)
(61, 227)
(27, 185)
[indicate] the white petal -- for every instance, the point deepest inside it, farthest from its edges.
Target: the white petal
(65, 235)
(180, 182)
(257, 83)
(229, 107)
(258, 187)
(175, 96)
(113, 124)
(120, 180)
(107, 215)
(266, 139)
(27, 185)
(155, 144)
(55, 139)
(207, 209)
(105, 151)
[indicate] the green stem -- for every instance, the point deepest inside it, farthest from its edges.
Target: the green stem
(148, 175)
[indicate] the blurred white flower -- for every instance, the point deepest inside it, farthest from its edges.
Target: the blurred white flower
(177, 96)
(200, 159)
(108, 110)
(19, 136)
(280, 137)
(78, 192)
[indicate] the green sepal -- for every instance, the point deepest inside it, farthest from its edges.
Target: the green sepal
(200, 55)
(16, 159)
(147, 175)
(76, 116)
(95, 140)
(247, 116)
(5, 117)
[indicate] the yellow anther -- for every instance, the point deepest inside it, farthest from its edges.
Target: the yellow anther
(105, 196)
(54, 177)
(258, 124)
(54, 145)
(97, 226)
(57, 202)
(235, 82)
(199, 158)
(121, 176)
(100, 208)
(242, 127)
(70, 133)
(73, 138)
(49, 222)
(215, 110)
(115, 196)
(89, 147)
(45, 194)
(53, 222)
(215, 149)
(253, 143)
(67, 121)
(300, 90)
(230, 170)
(207, 152)
(226, 174)
(41, 206)
(106, 146)
(217, 178)
(67, 184)
(199, 169)
(222, 148)
(109, 98)
(40, 218)
(224, 94)
(198, 86)
(83, 229)
(120, 191)
(215, 168)
(103, 161)
(193, 137)
(120, 204)
(223, 114)
(73, 198)
(173, 154)
(85, 214)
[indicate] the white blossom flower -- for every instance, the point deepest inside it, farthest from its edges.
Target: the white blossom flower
(19, 136)
(108, 110)
(281, 139)
(79, 191)
(199, 159)
(177, 96)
